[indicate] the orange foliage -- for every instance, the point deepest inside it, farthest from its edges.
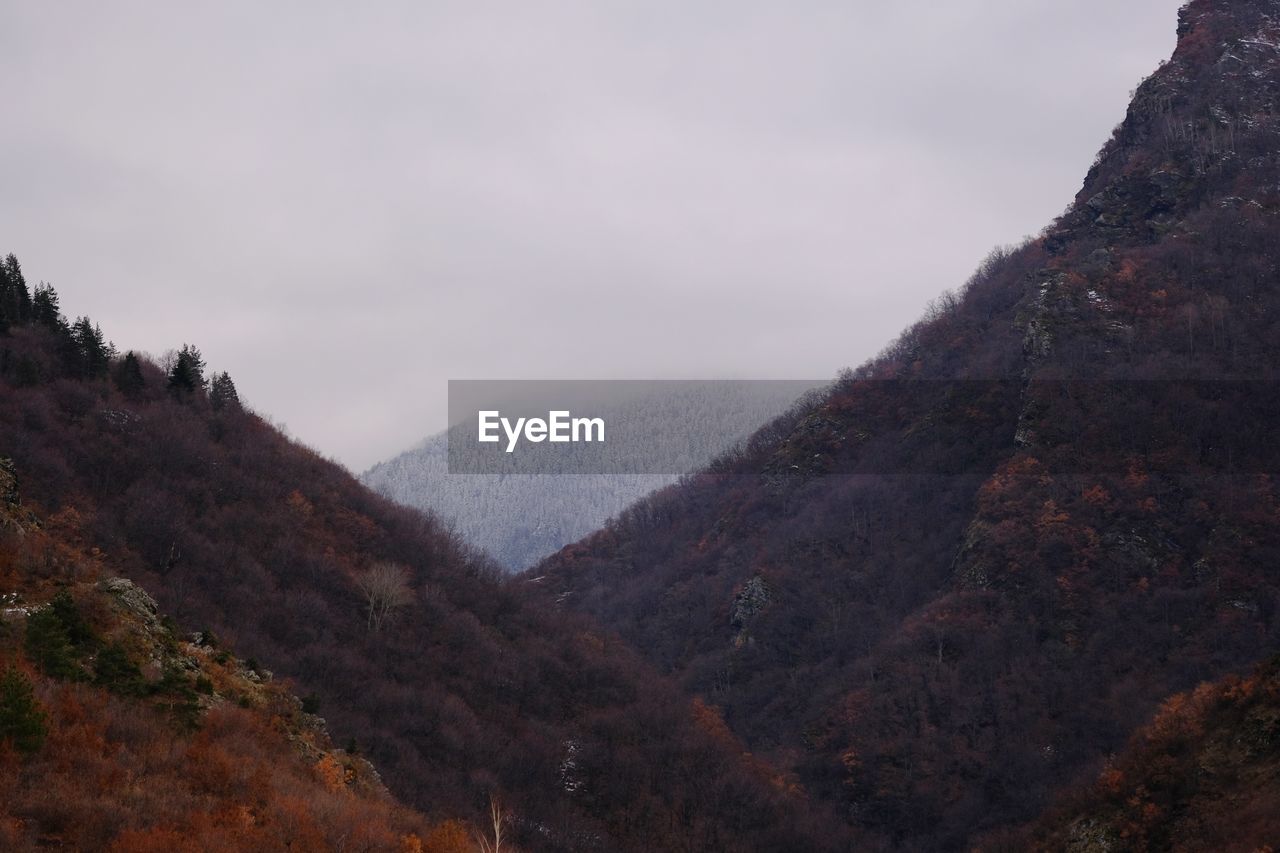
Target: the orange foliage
(299, 504)
(331, 773)
(119, 775)
(1097, 496)
(710, 720)
(451, 836)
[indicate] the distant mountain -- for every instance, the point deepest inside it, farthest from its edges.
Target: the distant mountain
(520, 518)
(959, 582)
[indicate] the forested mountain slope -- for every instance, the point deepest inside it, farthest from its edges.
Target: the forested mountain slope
(520, 518)
(117, 733)
(420, 655)
(1204, 774)
(961, 580)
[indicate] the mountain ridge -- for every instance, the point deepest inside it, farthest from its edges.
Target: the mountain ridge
(937, 655)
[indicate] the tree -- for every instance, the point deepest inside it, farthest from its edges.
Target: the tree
(7, 307)
(49, 645)
(22, 720)
(222, 393)
(128, 376)
(63, 606)
(115, 671)
(451, 836)
(19, 308)
(45, 309)
(187, 374)
(90, 352)
(497, 817)
(385, 587)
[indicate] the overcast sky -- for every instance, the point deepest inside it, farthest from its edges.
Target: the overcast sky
(345, 205)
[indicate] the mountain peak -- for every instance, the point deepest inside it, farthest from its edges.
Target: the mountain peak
(1202, 124)
(942, 652)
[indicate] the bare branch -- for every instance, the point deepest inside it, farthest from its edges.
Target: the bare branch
(385, 587)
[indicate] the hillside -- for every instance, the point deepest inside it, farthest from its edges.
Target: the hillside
(117, 733)
(519, 519)
(1203, 775)
(458, 686)
(959, 582)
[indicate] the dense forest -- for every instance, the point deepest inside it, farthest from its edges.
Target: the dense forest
(1204, 774)
(419, 655)
(117, 732)
(954, 587)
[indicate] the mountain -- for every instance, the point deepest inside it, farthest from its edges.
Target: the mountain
(461, 687)
(955, 585)
(919, 612)
(116, 732)
(1204, 774)
(520, 518)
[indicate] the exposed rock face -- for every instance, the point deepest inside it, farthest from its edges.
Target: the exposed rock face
(969, 569)
(134, 598)
(12, 514)
(9, 493)
(747, 605)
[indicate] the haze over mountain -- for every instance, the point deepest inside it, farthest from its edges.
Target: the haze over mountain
(520, 518)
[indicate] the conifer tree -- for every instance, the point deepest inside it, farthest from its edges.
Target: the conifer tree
(64, 607)
(6, 301)
(222, 393)
(128, 376)
(45, 309)
(20, 297)
(90, 352)
(49, 645)
(187, 374)
(113, 670)
(22, 720)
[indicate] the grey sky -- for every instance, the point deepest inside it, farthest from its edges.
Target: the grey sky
(345, 205)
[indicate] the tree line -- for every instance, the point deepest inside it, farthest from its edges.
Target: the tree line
(83, 352)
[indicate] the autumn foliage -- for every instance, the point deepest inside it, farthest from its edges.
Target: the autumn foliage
(1204, 774)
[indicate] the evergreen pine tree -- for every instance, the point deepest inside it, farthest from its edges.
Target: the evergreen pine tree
(19, 295)
(6, 301)
(222, 393)
(45, 309)
(89, 351)
(187, 373)
(128, 376)
(79, 633)
(115, 671)
(22, 720)
(49, 646)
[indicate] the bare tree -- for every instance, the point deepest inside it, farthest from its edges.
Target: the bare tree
(386, 589)
(497, 817)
